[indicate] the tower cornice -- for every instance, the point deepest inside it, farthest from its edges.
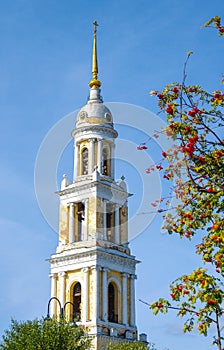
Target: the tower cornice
(91, 129)
(91, 184)
(92, 256)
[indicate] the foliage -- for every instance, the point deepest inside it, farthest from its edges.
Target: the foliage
(195, 166)
(44, 334)
(132, 346)
(128, 346)
(201, 297)
(216, 23)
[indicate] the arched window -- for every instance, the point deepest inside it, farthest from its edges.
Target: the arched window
(84, 162)
(110, 221)
(77, 301)
(110, 226)
(112, 303)
(105, 162)
(81, 218)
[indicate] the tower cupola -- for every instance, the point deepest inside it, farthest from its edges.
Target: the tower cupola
(94, 133)
(94, 112)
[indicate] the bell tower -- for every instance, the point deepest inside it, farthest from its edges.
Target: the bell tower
(93, 272)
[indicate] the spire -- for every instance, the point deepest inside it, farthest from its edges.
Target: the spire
(94, 83)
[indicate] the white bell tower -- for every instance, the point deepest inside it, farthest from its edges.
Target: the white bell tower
(92, 271)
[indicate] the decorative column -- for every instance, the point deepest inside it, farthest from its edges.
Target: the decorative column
(124, 298)
(76, 160)
(104, 219)
(91, 156)
(62, 276)
(117, 224)
(112, 160)
(104, 295)
(132, 300)
(96, 294)
(85, 302)
(53, 277)
(71, 230)
(99, 156)
(85, 222)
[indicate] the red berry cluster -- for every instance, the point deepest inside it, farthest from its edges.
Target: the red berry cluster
(194, 111)
(188, 216)
(176, 89)
(212, 302)
(169, 109)
(190, 146)
(141, 147)
(218, 97)
(167, 176)
(210, 190)
(202, 159)
(192, 89)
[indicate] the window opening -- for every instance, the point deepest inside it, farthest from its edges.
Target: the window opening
(85, 162)
(110, 222)
(81, 218)
(77, 301)
(112, 307)
(105, 162)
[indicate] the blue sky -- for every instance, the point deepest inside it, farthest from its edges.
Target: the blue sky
(45, 67)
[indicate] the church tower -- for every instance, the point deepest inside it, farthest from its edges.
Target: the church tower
(93, 272)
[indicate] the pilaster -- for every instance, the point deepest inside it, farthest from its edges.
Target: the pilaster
(96, 293)
(124, 298)
(85, 304)
(104, 213)
(132, 299)
(62, 277)
(104, 295)
(99, 156)
(71, 222)
(76, 160)
(112, 160)
(85, 228)
(117, 224)
(53, 277)
(91, 155)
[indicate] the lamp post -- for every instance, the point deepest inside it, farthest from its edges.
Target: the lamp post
(48, 307)
(62, 308)
(68, 302)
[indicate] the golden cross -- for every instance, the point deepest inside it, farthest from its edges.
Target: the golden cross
(95, 25)
(94, 83)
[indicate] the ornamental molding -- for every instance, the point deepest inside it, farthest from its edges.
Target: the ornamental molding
(116, 281)
(75, 279)
(117, 263)
(68, 261)
(104, 327)
(101, 189)
(90, 130)
(85, 269)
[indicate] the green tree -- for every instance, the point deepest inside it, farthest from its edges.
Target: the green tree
(132, 346)
(195, 166)
(129, 346)
(44, 334)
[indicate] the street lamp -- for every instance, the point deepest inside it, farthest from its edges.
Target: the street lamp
(69, 302)
(62, 308)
